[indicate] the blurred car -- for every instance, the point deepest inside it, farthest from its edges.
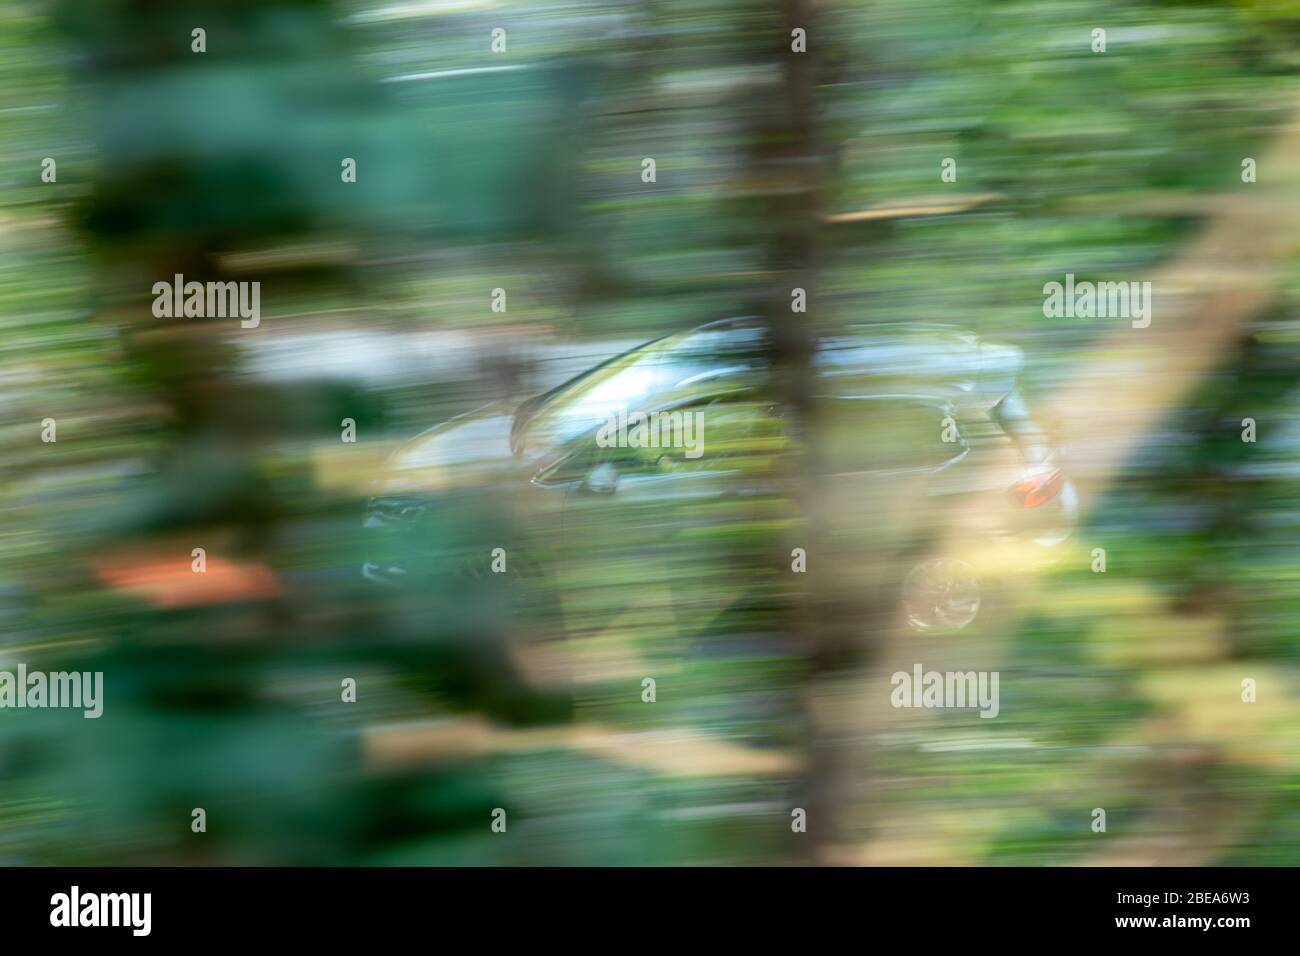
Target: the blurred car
(912, 419)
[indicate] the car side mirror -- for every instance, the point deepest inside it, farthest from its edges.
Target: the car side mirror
(601, 480)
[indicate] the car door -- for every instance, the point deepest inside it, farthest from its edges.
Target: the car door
(883, 454)
(670, 531)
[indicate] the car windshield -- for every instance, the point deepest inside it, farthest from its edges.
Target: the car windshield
(563, 413)
(633, 381)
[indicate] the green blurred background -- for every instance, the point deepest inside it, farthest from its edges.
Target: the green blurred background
(522, 170)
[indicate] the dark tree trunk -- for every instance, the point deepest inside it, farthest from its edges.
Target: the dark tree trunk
(789, 160)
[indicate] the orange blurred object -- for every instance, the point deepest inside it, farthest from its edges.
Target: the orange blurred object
(172, 584)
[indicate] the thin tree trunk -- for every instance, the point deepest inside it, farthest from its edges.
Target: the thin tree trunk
(789, 159)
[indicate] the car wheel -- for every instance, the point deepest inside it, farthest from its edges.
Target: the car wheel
(941, 594)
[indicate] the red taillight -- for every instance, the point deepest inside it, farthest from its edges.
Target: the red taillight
(1038, 489)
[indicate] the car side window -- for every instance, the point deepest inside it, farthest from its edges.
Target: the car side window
(713, 433)
(891, 435)
(587, 455)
